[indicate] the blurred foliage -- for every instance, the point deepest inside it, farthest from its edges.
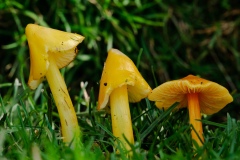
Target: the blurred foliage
(177, 38)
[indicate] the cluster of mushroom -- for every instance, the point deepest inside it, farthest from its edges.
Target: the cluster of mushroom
(120, 84)
(120, 76)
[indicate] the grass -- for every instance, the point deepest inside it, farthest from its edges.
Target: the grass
(166, 40)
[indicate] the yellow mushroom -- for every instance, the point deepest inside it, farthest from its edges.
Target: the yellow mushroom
(51, 50)
(120, 84)
(198, 94)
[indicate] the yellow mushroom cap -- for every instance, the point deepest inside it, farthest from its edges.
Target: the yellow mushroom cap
(44, 42)
(119, 70)
(212, 96)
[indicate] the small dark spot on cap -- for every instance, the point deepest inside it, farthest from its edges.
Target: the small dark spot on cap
(105, 84)
(76, 50)
(201, 82)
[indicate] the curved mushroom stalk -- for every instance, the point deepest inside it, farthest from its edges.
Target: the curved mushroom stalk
(68, 119)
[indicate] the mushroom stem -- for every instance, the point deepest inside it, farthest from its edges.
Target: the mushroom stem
(121, 118)
(195, 116)
(67, 114)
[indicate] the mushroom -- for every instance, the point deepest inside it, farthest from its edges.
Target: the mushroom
(120, 84)
(198, 94)
(51, 50)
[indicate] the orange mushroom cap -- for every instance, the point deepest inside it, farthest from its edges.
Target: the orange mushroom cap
(212, 96)
(119, 70)
(44, 42)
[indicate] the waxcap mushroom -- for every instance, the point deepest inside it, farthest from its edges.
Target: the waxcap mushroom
(119, 70)
(197, 94)
(212, 96)
(44, 42)
(120, 84)
(51, 50)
